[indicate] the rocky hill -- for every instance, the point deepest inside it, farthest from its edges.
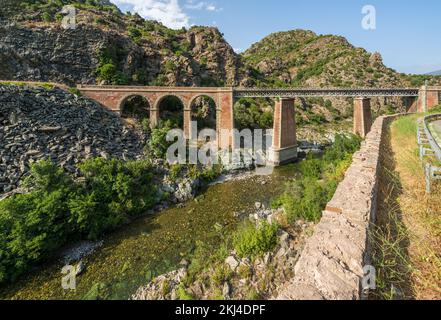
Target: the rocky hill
(109, 47)
(303, 58)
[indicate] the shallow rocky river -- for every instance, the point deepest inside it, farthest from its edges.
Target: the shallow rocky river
(153, 245)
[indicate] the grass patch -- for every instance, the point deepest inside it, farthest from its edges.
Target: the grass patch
(406, 238)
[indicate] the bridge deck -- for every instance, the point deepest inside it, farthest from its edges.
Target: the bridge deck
(325, 92)
(268, 92)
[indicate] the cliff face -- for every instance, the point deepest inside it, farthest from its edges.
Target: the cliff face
(109, 47)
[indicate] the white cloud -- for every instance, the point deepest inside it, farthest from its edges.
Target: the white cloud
(201, 5)
(169, 12)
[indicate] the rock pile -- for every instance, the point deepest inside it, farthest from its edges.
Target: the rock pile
(37, 123)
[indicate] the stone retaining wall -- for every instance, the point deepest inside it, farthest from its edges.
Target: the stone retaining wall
(331, 264)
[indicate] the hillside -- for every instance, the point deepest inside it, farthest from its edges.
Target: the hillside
(109, 47)
(435, 73)
(303, 58)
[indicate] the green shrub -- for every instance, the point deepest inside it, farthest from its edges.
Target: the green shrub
(343, 146)
(158, 143)
(75, 91)
(113, 192)
(183, 294)
(306, 197)
(135, 34)
(221, 274)
(47, 17)
(107, 72)
(34, 225)
(252, 241)
(249, 113)
(311, 167)
(146, 126)
(211, 173)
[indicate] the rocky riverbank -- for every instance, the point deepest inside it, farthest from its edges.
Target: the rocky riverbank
(237, 278)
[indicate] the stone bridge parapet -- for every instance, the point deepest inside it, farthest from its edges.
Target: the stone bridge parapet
(331, 264)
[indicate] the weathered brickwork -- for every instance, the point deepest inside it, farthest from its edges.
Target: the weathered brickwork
(429, 97)
(284, 148)
(362, 116)
(331, 264)
(113, 98)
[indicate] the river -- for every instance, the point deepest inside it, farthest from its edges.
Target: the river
(155, 244)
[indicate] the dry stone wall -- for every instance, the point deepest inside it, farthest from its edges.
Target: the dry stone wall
(331, 264)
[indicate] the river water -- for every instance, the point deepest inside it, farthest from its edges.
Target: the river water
(153, 245)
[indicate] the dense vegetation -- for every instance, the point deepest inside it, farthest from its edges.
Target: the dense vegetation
(248, 113)
(306, 197)
(58, 209)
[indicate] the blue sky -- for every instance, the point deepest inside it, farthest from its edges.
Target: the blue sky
(407, 32)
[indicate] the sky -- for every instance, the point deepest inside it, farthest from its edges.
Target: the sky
(407, 33)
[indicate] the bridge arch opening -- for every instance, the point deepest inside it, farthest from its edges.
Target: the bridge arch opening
(135, 107)
(204, 112)
(253, 113)
(171, 109)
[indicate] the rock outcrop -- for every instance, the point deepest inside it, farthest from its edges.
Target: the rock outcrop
(35, 47)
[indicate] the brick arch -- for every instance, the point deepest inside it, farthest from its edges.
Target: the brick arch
(133, 94)
(159, 99)
(199, 95)
(218, 110)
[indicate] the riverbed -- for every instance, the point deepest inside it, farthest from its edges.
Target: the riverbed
(153, 245)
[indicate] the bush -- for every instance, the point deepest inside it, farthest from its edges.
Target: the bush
(250, 114)
(251, 241)
(158, 143)
(343, 147)
(34, 225)
(306, 198)
(135, 33)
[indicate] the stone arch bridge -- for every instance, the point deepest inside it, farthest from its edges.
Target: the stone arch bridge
(284, 148)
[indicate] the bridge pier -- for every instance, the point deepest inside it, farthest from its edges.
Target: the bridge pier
(154, 118)
(429, 97)
(284, 148)
(362, 116)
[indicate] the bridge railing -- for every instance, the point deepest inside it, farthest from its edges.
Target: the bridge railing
(429, 147)
(324, 92)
